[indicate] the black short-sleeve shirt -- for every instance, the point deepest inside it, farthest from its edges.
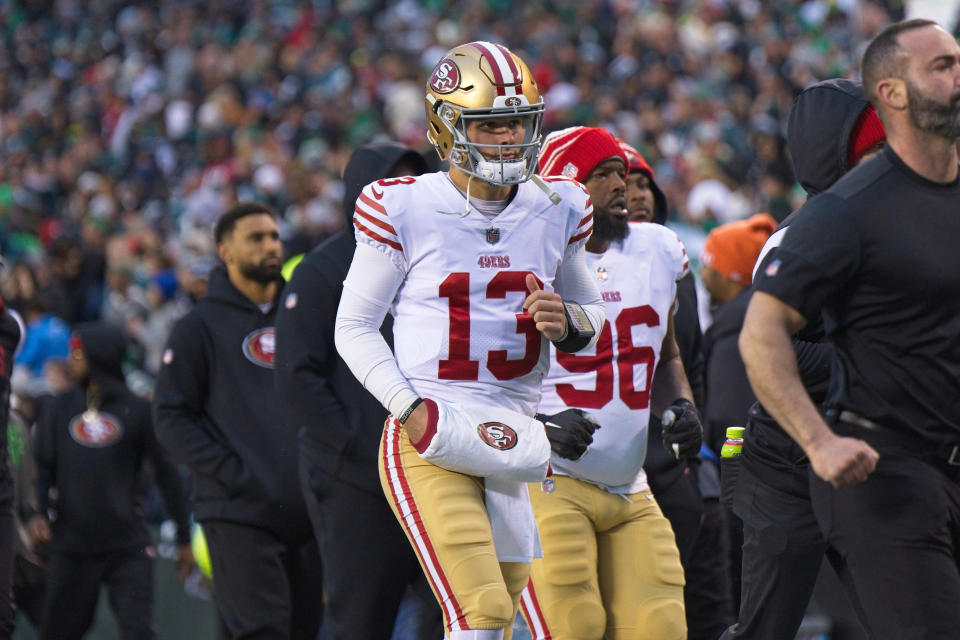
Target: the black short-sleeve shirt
(879, 254)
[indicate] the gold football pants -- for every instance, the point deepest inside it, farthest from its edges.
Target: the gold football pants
(443, 515)
(610, 566)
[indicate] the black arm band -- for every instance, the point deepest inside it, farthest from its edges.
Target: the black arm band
(406, 414)
(579, 330)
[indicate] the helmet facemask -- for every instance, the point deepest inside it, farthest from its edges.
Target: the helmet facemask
(499, 164)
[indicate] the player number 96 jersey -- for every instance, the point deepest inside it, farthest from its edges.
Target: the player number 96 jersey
(637, 279)
(460, 331)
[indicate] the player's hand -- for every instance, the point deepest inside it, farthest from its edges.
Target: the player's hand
(843, 461)
(39, 529)
(682, 431)
(416, 424)
(546, 309)
(570, 432)
(185, 561)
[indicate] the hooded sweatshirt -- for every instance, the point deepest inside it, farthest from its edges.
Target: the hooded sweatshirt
(340, 422)
(216, 410)
(96, 460)
(818, 135)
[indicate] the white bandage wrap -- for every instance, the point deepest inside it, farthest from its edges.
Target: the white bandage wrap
(488, 442)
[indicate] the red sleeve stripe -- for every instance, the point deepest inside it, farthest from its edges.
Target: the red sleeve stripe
(588, 204)
(376, 236)
(372, 204)
(386, 226)
(581, 236)
(585, 220)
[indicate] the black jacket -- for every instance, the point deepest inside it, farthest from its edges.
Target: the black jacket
(216, 410)
(818, 136)
(341, 423)
(98, 466)
(728, 392)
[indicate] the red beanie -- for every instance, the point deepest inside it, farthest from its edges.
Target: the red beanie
(635, 161)
(866, 133)
(733, 248)
(574, 152)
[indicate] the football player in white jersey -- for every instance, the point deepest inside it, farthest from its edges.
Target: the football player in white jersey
(477, 265)
(610, 564)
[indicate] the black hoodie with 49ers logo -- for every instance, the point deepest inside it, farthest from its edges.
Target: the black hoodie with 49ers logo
(217, 411)
(93, 444)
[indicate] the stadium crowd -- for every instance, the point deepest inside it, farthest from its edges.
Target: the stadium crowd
(127, 129)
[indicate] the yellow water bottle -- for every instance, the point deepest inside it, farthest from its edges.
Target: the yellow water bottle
(733, 446)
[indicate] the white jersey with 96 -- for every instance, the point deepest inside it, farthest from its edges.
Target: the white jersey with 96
(460, 332)
(637, 278)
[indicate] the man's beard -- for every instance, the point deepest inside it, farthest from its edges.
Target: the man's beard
(933, 117)
(608, 228)
(260, 272)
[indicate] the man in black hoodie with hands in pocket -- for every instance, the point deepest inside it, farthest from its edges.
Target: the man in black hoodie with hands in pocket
(367, 561)
(218, 413)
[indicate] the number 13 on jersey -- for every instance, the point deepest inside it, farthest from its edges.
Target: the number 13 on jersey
(458, 365)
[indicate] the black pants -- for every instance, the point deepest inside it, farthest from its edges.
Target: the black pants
(782, 552)
(73, 587)
(367, 561)
(265, 589)
(699, 531)
(899, 534)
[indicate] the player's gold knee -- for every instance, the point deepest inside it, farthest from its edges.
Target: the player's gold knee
(583, 619)
(565, 562)
(491, 607)
(662, 619)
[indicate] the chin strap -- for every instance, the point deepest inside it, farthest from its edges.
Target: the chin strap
(466, 211)
(555, 197)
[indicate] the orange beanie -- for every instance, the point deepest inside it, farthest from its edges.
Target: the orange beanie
(733, 248)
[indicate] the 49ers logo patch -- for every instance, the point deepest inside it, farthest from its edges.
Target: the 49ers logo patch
(259, 347)
(445, 77)
(497, 435)
(95, 429)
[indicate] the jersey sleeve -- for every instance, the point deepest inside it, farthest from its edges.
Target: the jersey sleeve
(675, 253)
(579, 207)
(373, 225)
(817, 256)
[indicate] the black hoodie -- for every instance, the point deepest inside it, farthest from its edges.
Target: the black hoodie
(97, 466)
(341, 423)
(818, 136)
(217, 412)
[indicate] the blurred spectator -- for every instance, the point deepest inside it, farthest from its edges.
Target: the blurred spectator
(47, 337)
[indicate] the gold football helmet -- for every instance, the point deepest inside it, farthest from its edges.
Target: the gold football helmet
(482, 80)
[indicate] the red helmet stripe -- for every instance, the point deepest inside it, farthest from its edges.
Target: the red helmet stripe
(495, 66)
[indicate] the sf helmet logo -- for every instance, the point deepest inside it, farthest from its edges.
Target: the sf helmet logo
(497, 435)
(95, 429)
(513, 101)
(259, 346)
(445, 77)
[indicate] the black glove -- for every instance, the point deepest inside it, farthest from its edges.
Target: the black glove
(682, 432)
(570, 432)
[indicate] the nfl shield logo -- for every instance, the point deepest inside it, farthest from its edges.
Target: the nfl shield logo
(493, 236)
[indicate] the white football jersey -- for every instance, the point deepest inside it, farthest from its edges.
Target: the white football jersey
(460, 331)
(638, 281)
